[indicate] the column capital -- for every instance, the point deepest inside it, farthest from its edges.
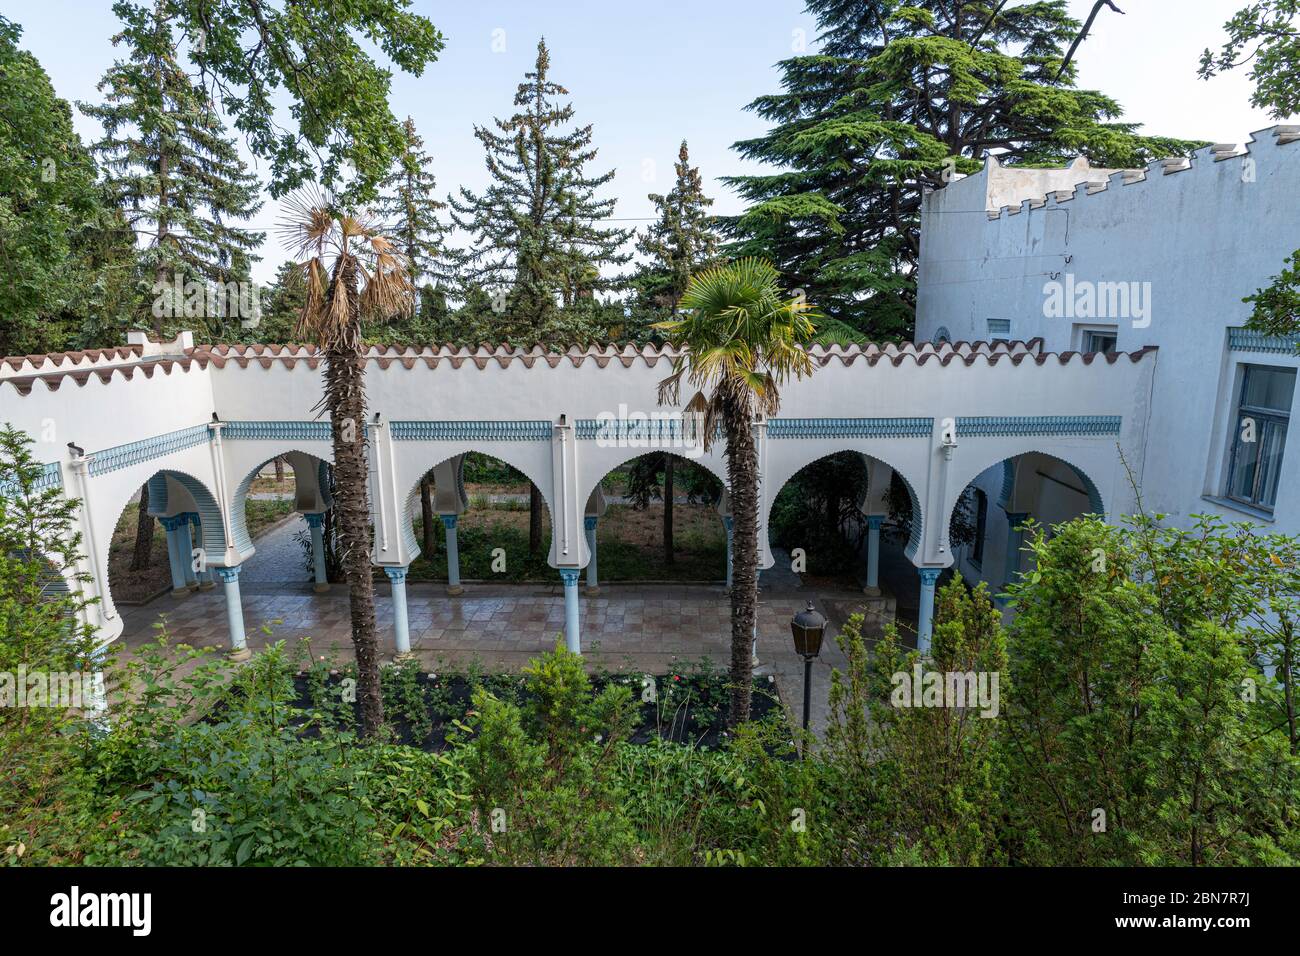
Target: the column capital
(589, 522)
(874, 522)
(449, 521)
(570, 576)
(172, 522)
(395, 574)
(929, 575)
(230, 574)
(314, 519)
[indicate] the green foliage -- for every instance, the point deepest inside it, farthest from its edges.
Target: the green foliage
(40, 601)
(533, 230)
(1277, 307)
(898, 99)
(240, 787)
(817, 510)
(1266, 35)
(408, 207)
(543, 773)
(939, 775)
(681, 242)
(1130, 675)
(320, 54)
(174, 174)
(60, 247)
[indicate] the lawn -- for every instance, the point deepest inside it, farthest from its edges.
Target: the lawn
(133, 587)
(629, 543)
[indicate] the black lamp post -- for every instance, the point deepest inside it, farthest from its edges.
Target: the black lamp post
(807, 626)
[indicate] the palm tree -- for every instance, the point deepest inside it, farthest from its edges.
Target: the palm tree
(350, 271)
(743, 340)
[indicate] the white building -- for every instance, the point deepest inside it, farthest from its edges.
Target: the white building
(1092, 260)
(1148, 267)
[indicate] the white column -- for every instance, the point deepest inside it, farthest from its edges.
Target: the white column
(925, 613)
(186, 538)
(177, 554)
(873, 554)
(401, 623)
(593, 578)
(453, 556)
(234, 613)
(572, 624)
(316, 522)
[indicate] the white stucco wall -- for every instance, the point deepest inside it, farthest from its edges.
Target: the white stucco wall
(536, 412)
(1197, 238)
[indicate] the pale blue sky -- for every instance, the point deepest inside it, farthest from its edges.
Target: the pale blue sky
(649, 74)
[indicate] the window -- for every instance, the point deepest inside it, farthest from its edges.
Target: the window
(941, 335)
(1095, 340)
(981, 520)
(1263, 415)
(999, 326)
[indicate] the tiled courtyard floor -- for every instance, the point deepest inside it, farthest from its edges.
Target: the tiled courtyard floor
(635, 628)
(644, 628)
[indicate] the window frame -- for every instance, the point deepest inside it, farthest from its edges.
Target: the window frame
(1264, 418)
(1088, 334)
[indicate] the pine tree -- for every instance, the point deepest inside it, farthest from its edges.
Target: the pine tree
(51, 212)
(681, 242)
(170, 166)
(411, 213)
(899, 99)
(534, 230)
(282, 302)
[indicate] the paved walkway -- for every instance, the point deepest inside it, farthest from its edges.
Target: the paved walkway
(628, 627)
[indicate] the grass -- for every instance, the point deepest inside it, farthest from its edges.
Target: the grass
(128, 585)
(629, 546)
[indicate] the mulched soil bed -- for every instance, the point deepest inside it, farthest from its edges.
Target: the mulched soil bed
(690, 708)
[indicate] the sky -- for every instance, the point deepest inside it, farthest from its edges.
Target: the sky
(648, 75)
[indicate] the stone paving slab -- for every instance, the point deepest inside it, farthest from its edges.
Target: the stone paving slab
(633, 628)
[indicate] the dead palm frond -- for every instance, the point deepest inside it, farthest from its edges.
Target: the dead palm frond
(347, 261)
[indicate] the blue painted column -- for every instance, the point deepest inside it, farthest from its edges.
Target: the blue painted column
(593, 575)
(177, 554)
(234, 613)
(205, 578)
(1015, 541)
(925, 613)
(873, 553)
(729, 523)
(401, 623)
(186, 539)
(572, 633)
(453, 556)
(316, 522)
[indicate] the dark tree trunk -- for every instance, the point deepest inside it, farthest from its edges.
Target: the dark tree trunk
(668, 509)
(742, 475)
(535, 504)
(345, 398)
(329, 535)
(279, 471)
(142, 557)
(427, 518)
